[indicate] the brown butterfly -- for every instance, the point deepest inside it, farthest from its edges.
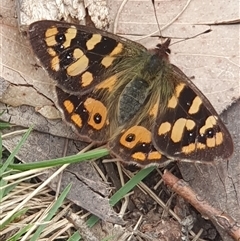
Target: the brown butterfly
(113, 90)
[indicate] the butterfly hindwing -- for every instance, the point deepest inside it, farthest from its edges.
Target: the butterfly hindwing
(134, 145)
(86, 113)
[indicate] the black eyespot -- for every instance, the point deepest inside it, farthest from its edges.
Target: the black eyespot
(67, 58)
(60, 38)
(210, 133)
(97, 118)
(69, 55)
(59, 48)
(191, 137)
(130, 137)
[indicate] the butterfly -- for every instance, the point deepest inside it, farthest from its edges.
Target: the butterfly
(113, 90)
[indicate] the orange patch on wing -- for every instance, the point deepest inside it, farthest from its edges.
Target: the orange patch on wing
(172, 103)
(153, 112)
(219, 138)
(93, 41)
(117, 50)
(50, 36)
(211, 142)
(139, 156)
(178, 129)
(78, 66)
(155, 155)
(86, 79)
(77, 53)
(189, 149)
(209, 123)
(69, 107)
(195, 106)
(179, 89)
(76, 119)
(107, 61)
(70, 34)
(51, 32)
(190, 124)
(164, 128)
(95, 109)
(139, 134)
(201, 146)
(108, 83)
(55, 64)
(51, 52)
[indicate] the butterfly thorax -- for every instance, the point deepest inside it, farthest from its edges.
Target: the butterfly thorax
(140, 87)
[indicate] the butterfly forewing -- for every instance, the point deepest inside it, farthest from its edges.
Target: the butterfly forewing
(190, 128)
(76, 56)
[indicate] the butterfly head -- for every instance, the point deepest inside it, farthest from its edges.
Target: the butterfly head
(162, 49)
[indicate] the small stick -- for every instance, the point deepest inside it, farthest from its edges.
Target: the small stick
(225, 221)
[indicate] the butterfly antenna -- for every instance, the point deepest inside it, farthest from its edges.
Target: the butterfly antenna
(192, 37)
(155, 14)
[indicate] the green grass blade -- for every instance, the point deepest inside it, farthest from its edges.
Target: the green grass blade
(52, 212)
(60, 161)
(10, 159)
(5, 125)
(16, 215)
(75, 237)
(123, 191)
(116, 197)
(1, 149)
(22, 231)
